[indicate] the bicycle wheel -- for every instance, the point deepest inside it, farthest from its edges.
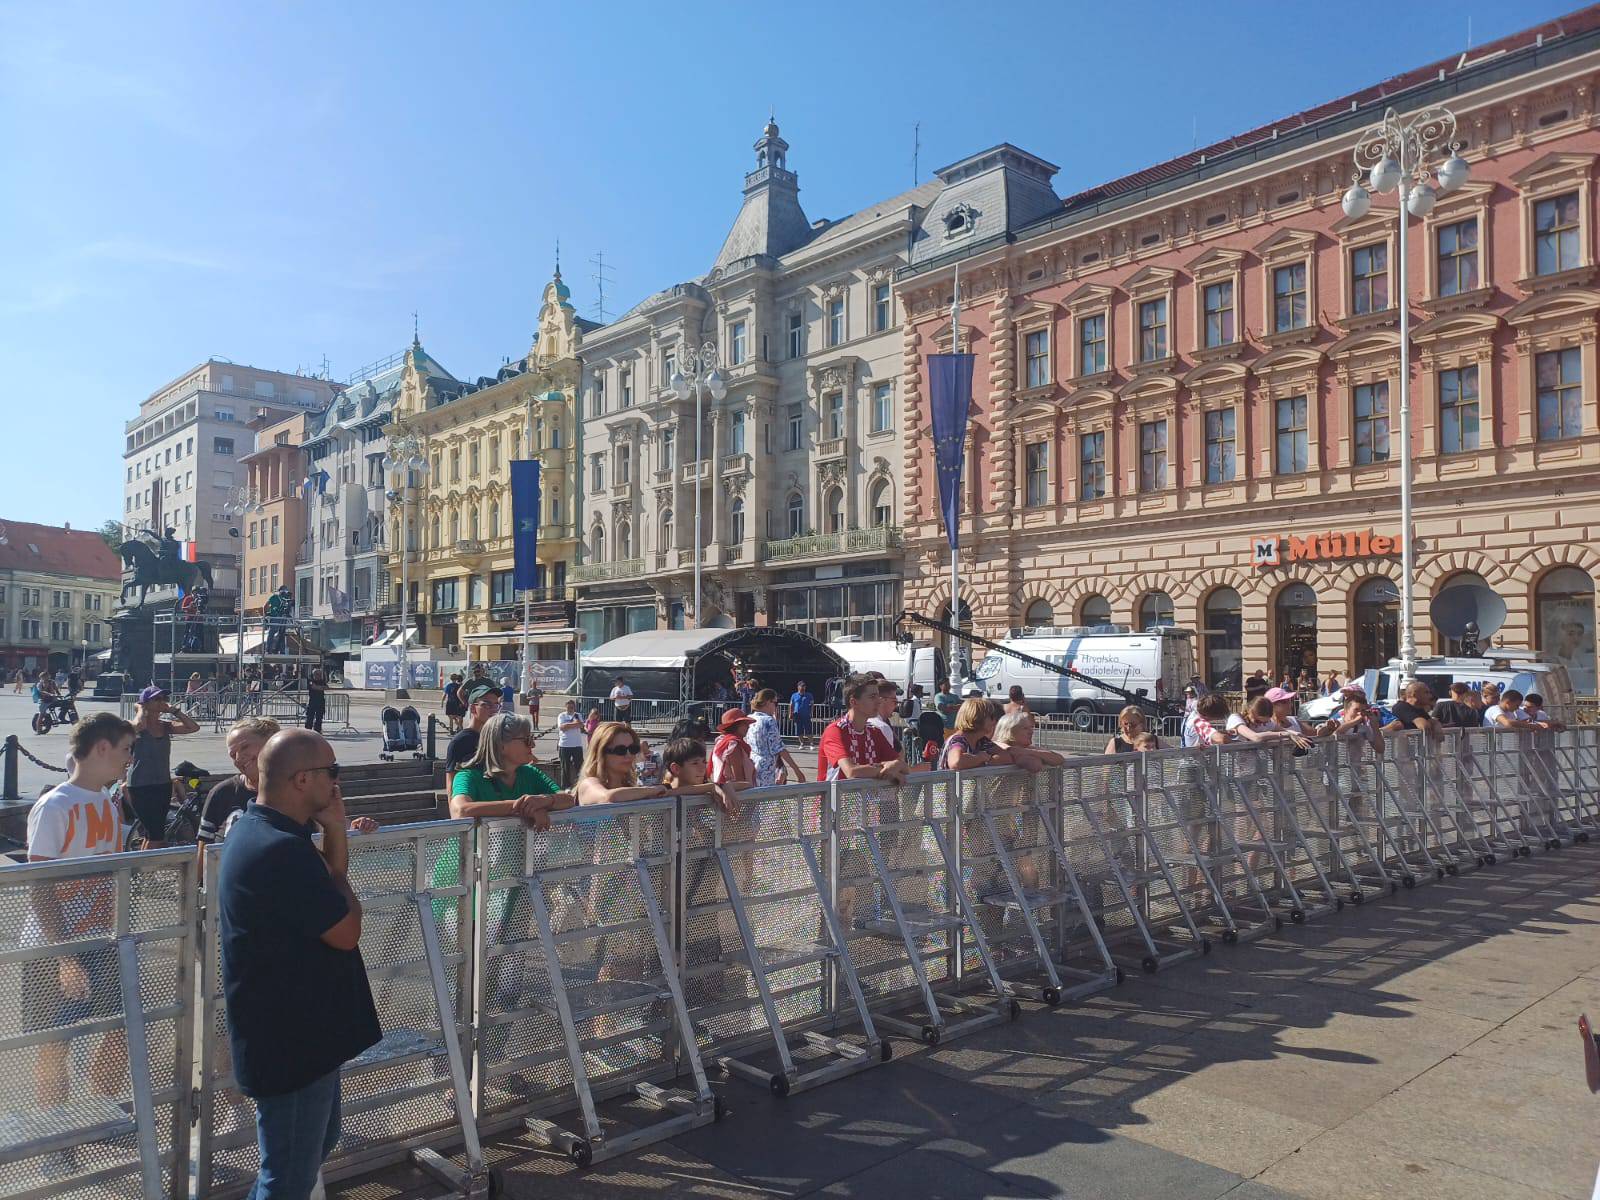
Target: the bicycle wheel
(182, 828)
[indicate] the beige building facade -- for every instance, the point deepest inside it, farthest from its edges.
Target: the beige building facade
(1187, 386)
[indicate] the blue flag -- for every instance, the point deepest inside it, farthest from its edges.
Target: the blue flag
(525, 522)
(950, 399)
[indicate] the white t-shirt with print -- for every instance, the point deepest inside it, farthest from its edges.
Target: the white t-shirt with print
(569, 731)
(69, 821)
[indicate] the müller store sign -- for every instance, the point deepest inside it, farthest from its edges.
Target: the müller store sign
(1274, 549)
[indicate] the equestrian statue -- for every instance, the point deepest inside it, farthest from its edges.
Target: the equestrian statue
(161, 568)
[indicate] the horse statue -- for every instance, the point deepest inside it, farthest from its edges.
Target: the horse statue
(151, 570)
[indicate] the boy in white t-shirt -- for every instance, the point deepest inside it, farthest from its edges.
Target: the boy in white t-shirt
(77, 819)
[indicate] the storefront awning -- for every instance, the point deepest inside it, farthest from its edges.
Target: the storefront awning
(537, 637)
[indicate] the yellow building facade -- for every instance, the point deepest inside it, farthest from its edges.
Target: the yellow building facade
(459, 549)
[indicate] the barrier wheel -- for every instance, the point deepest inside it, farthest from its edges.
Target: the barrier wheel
(1230, 937)
(1452, 869)
(1052, 996)
(779, 1085)
(1297, 915)
(1149, 964)
(1483, 860)
(1583, 837)
(1553, 844)
(885, 1051)
(1358, 897)
(930, 1034)
(1409, 880)
(1525, 851)
(1490, 859)
(580, 1152)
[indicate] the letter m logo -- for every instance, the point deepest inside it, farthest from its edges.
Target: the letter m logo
(1264, 552)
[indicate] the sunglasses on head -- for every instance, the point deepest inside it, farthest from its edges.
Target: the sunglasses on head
(623, 748)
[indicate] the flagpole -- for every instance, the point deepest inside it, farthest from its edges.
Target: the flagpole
(527, 594)
(957, 650)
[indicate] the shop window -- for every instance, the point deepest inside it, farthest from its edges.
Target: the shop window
(1296, 630)
(1377, 624)
(1564, 614)
(1224, 643)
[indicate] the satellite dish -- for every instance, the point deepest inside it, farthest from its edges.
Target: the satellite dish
(1456, 607)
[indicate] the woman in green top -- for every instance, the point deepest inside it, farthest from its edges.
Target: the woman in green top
(500, 780)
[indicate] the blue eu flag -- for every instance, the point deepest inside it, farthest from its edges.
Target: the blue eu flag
(525, 522)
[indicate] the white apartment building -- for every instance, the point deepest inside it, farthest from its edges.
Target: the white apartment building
(798, 466)
(180, 453)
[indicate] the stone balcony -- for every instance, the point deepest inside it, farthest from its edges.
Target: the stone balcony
(601, 572)
(830, 449)
(819, 545)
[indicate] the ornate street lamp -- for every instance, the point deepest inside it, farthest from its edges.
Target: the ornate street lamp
(697, 373)
(1395, 154)
(404, 458)
(243, 501)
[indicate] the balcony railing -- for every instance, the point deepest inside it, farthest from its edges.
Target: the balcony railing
(600, 572)
(302, 555)
(469, 547)
(850, 541)
(831, 448)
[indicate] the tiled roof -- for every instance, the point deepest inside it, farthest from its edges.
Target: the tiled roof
(1581, 21)
(58, 551)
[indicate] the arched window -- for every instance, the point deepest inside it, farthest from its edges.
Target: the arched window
(1095, 610)
(1224, 642)
(394, 537)
(882, 504)
(835, 510)
(624, 540)
(1039, 615)
(1564, 624)
(1155, 609)
(555, 435)
(736, 513)
(597, 544)
(666, 530)
(1377, 623)
(434, 541)
(455, 526)
(473, 523)
(494, 519)
(797, 514)
(1295, 637)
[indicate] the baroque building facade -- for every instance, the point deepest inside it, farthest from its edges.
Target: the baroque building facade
(797, 466)
(458, 545)
(1185, 405)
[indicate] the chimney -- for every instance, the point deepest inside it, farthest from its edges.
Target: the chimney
(67, 525)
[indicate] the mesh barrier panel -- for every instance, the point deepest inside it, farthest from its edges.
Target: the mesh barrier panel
(1103, 845)
(97, 1096)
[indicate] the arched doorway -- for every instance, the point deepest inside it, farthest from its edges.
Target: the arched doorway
(1094, 611)
(1564, 624)
(1295, 621)
(1224, 642)
(1377, 624)
(1155, 609)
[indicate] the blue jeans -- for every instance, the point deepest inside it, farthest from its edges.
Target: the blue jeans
(296, 1132)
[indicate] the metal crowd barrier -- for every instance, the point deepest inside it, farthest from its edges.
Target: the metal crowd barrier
(224, 707)
(410, 1092)
(97, 1087)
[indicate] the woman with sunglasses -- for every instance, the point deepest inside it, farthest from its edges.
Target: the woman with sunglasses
(500, 780)
(607, 776)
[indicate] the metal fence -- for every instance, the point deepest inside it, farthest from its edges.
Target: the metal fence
(220, 708)
(586, 982)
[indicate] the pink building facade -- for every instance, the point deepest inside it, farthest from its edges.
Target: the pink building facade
(1186, 398)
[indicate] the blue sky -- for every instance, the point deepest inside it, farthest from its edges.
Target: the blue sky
(272, 183)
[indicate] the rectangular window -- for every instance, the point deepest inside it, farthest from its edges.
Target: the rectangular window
(222, 446)
(669, 368)
(627, 388)
(797, 335)
(1221, 447)
(474, 591)
(597, 397)
(253, 527)
(252, 581)
(1036, 474)
(223, 414)
(446, 596)
(472, 460)
(274, 531)
(1369, 279)
(1458, 257)
(1289, 297)
(796, 427)
(501, 589)
(669, 448)
(1558, 376)
(737, 347)
(455, 464)
(1092, 344)
(835, 321)
(1293, 447)
(736, 434)
(1152, 330)
(624, 465)
(274, 576)
(494, 453)
(1372, 423)
(835, 404)
(1092, 465)
(882, 407)
(597, 473)
(881, 307)
(1218, 302)
(1458, 410)
(1555, 234)
(1152, 456)
(1036, 357)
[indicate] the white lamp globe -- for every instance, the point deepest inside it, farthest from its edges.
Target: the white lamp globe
(1421, 200)
(716, 386)
(679, 385)
(1357, 201)
(1453, 172)
(1385, 175)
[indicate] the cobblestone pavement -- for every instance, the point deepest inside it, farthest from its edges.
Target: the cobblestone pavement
(1423, 1046)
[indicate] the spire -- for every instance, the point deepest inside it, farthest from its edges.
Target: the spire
(416, 334)
(771, 222)
(558, 260)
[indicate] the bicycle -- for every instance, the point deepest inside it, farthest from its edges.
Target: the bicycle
(60, 710)
(183, 821)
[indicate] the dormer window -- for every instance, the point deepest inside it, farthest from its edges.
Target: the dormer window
(959, 220)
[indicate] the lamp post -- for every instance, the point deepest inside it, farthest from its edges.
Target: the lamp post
(697, 373)
(242, 502)
(404, 458)
(1395, 154)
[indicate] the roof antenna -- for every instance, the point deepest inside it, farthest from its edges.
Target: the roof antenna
(416, 339)
(916, 152)
(602, 275)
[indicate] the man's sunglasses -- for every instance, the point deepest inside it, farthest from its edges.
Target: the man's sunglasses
(332, 769)
(630, 749)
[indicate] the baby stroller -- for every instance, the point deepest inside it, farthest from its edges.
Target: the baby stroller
(402, 732)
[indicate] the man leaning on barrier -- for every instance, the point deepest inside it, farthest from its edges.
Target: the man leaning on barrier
(294, 983)
(76, 819)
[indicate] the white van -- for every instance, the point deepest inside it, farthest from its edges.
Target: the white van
(1509, 666)
(1157, 663)
(903, 664)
